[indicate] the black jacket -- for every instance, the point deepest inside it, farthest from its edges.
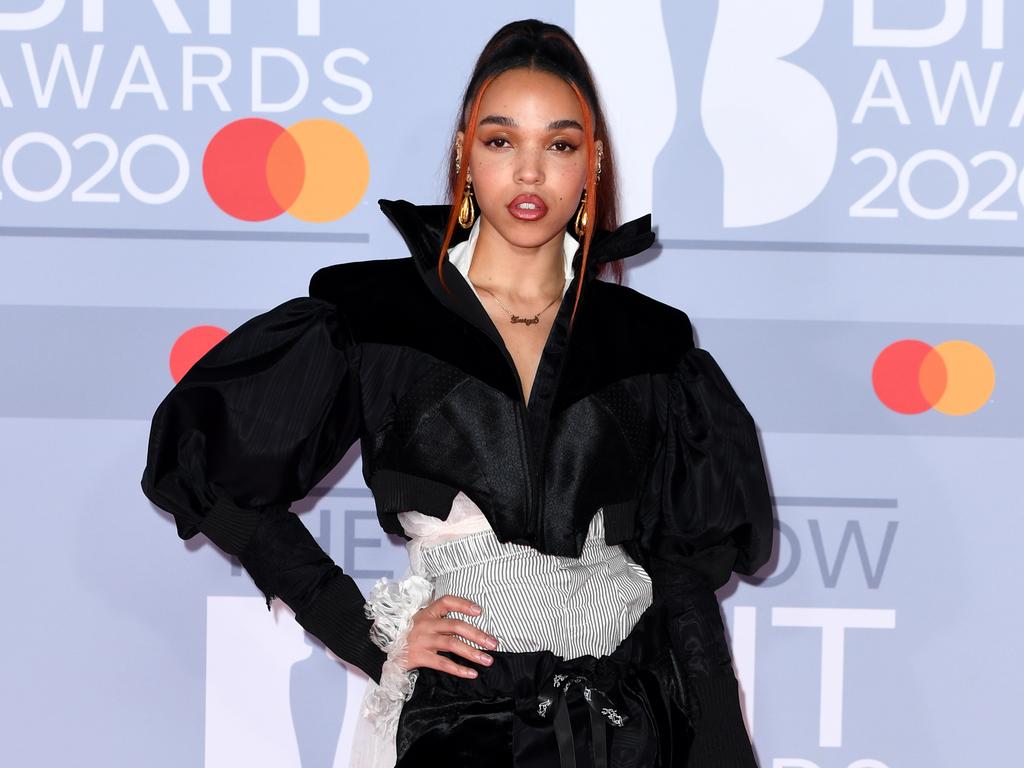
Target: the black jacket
(625, 414)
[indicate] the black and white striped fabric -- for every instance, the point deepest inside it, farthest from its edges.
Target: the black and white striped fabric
(535, 601)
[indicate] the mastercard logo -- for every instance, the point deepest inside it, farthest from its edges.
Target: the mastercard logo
(316, 170)
(954, 377)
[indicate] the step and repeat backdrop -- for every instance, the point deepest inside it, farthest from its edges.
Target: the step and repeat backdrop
(838, 192)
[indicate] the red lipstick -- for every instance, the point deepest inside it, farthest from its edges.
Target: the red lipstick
(527, 207)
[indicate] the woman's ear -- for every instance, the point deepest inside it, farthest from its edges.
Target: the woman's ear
(457, 151)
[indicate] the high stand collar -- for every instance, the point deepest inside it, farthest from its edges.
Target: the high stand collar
(423, 228)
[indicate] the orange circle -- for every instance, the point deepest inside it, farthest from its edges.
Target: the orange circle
(971, 381)
(333, 155)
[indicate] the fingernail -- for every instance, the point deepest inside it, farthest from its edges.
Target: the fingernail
(471, 673)
(492, 643)
(476, 608)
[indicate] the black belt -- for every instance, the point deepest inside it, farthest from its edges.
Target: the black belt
(554, 696)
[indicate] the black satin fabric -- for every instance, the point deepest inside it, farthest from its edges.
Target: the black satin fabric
(499, 719)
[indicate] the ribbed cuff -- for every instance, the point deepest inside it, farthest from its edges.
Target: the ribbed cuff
(393, 490)
(228, 527)
(721, 739)
(619, 521)
(336, 618)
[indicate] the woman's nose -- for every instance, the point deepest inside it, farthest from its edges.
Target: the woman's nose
(529, 168)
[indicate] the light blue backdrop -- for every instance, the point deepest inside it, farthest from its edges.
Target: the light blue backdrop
(826, 179)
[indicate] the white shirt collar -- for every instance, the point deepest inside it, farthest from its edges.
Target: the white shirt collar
(461, 255)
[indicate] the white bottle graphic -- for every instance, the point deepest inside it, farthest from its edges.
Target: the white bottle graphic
(252, 663)
(771, 123)
(627, 49)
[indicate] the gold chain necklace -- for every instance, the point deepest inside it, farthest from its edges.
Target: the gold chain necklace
(517, 318)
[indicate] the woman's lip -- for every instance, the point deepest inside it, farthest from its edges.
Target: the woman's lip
(537, 211)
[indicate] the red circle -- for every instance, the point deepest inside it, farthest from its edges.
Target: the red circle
(192, 345)
(235, 168)
(895, 376)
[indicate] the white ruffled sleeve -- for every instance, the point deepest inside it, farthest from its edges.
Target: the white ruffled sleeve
(391, 604)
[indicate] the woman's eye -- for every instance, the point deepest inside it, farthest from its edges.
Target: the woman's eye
(564, 146)
(490, 142)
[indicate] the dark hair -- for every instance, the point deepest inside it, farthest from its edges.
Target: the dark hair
(534, 44)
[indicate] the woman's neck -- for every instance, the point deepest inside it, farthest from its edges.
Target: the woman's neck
(526, 275)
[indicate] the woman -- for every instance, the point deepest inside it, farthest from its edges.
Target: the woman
(574, 478)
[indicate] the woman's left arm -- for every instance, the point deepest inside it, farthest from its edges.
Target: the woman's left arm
(707, 512)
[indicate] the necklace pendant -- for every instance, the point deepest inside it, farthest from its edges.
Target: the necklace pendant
(526, 320)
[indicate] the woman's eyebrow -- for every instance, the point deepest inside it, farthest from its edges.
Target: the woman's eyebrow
(508, 122)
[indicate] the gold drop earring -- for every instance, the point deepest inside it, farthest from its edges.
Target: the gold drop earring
(467, 213)
(581, 215)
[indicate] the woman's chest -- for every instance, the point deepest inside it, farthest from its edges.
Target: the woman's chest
(538, 480)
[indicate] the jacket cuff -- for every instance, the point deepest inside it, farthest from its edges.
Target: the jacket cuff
(720, 735)
(336, 618)
(229, 527)
(697, 633)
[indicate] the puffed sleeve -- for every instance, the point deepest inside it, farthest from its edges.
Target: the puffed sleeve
(708, 513)
(253, 426)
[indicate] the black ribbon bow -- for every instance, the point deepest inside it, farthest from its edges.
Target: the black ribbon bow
(554, 696)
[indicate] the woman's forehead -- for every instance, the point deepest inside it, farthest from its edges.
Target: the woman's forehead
(530, 97)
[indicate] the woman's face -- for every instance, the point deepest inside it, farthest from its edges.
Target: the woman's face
(528, 163)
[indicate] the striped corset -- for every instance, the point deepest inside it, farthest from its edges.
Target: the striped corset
(531, 600)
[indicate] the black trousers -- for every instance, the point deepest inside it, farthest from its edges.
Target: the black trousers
(539, 710)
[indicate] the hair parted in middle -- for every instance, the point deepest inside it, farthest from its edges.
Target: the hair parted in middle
(534, 44)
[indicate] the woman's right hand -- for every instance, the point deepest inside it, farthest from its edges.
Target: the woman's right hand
(432, 631)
